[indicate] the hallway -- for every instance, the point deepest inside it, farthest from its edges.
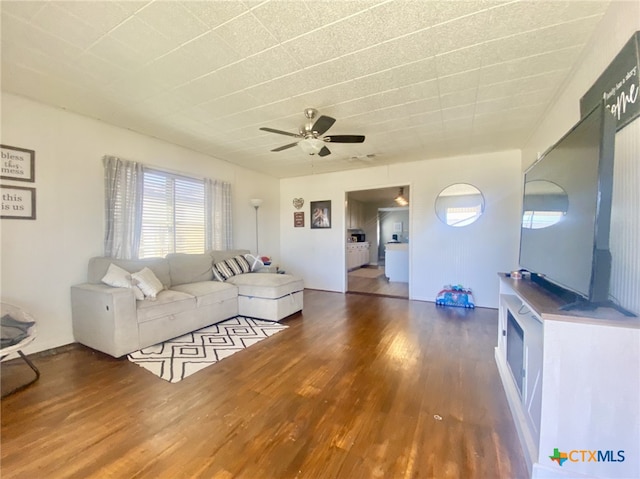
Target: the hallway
(371, 280)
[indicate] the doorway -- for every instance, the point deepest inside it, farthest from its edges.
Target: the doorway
(373, 220)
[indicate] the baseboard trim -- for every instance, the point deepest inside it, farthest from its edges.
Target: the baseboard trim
(46, 353)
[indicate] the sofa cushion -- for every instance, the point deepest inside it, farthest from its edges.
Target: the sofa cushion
(98, 267)
(266, 285)
(189, 268)
(167, 302)
(208, 292)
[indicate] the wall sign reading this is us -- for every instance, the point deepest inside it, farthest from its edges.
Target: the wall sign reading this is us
(18, 202)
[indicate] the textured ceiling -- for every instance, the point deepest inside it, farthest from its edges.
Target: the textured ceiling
(421, 79)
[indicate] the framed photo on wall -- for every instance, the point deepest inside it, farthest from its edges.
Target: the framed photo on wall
(18, 202)
(320, 214)
(18, 164)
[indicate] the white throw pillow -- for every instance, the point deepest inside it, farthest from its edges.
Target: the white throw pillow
(148, 282)
(255, 263)
(120, 278)
(117, 277)
(137, 292)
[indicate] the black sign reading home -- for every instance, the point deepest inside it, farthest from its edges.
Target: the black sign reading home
(618, 86)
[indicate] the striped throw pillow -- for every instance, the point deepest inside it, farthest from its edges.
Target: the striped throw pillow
(222, 272)
(243, 263)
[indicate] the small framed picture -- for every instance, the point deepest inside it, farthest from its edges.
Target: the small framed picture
(298, 219)
(18, 202)
(17, 163)
(320, 214)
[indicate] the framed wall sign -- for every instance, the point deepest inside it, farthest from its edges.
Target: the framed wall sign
(18, 202)
(17, 163)
(320, 214)
(298, 219)
(618, 86)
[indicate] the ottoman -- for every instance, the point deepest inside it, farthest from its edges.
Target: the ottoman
(267, 295)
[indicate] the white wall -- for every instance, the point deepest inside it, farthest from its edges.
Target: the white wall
(438, 254)
(41, 259)
(621, 20)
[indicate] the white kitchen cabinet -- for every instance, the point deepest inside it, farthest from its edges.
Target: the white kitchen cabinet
(354, 215)
(351, 258)
(357, 255)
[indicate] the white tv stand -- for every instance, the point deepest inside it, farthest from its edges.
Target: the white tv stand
(579, 386)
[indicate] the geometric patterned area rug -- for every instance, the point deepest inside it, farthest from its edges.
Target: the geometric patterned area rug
(180, 357)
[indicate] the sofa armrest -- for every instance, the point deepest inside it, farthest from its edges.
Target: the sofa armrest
(105, 318)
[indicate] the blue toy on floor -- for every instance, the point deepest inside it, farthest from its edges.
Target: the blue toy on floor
(455, 296)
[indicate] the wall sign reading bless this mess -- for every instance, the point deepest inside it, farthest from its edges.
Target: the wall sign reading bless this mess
(18, 164)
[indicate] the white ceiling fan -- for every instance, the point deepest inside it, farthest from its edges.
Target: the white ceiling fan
(311, 140)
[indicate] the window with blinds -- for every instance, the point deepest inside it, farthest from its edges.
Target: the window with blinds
(541, 219)
(173, 215)
(462, 216)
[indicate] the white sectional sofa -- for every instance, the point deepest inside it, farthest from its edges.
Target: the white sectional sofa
(111, 319)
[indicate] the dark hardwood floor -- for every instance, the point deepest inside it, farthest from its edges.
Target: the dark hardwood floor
(357, 387)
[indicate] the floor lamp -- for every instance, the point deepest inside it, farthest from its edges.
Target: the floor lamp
(256, 202)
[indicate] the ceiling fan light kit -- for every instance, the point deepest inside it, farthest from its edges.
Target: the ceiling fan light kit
(311, 146)
(400, 199)
(310, 134)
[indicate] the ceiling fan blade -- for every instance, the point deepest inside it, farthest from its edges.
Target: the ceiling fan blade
(344, 138)
(284, 147)
(280, 132)
(324, 151)
(322, 124)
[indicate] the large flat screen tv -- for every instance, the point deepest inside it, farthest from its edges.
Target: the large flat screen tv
(567, 210)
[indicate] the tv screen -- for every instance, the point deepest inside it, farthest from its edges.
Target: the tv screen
(567, 209)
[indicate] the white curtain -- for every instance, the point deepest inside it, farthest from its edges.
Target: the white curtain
(123, 184)
(219, 231)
